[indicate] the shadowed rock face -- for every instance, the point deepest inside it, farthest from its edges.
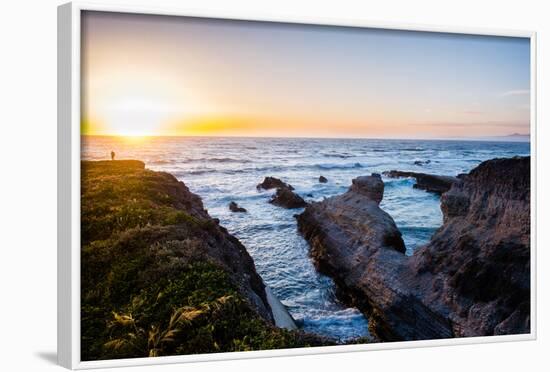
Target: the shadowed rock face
(481, 254)
(472, 279)
(429, 182)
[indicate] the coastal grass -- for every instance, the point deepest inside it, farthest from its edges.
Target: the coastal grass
(149, 287)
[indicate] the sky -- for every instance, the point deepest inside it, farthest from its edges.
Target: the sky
(164, 75)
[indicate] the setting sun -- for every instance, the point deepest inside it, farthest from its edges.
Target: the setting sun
(133, 102)
(136, 116)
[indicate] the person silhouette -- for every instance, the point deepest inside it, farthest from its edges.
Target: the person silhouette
(112, 155)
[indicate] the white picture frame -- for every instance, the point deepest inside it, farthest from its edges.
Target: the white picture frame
(69, 157)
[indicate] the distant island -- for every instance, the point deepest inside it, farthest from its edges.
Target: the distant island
(513, 137)
(519, 137)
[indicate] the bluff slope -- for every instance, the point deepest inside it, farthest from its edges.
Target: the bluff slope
(471, 279)
(160, 276)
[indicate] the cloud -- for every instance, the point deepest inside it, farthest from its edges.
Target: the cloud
(515, 92)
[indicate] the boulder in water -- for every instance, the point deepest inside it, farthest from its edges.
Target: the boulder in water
(286, 198)
(234, 207)
(273, 183)
(323, 179)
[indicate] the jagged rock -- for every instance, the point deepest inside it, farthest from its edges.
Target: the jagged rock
(273, 183)
(429, 182)
(323, 179)
(471, 279)
(286, 198)
(234, 207)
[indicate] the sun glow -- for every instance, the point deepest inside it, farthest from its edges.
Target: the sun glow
(134, 105)
(137, 116)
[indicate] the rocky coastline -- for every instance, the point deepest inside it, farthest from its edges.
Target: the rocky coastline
(471, 279)
(151, 253)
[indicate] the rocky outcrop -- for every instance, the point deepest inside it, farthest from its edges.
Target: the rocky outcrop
(273, 183)
(286, 198)
(482, 252)
(234, 207)
(323, 179)
(429, 182)
(471, 279)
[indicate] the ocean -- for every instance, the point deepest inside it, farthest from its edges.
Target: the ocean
(225, 169)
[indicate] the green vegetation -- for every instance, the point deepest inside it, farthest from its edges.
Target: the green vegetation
(149, 285)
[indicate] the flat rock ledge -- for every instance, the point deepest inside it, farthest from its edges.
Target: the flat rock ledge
(424, 181)
(471, 279)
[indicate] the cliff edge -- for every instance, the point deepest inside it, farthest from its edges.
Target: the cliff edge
(160, 276)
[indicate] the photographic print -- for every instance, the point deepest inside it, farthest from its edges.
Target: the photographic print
(252, 185)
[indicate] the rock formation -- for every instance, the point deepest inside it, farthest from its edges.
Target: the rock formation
(323, 179)
(273, 183)
(429, 182)
(286, 198)
(471, 279)
(234, 207)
